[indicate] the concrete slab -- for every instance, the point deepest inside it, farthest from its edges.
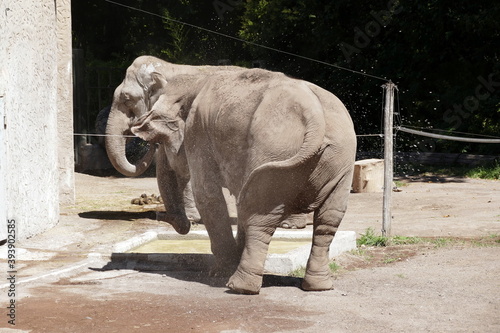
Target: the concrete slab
(50, 289)
(288, 262)
(26, 255)
(275, 264)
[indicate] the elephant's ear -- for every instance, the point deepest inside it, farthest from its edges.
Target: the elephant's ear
(155, 127)
(144, 128)
(158, 82)
(176, 135)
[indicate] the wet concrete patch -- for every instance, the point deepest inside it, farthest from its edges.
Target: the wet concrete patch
(147, 312)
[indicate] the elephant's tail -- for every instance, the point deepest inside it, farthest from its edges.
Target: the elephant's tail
(314, 137)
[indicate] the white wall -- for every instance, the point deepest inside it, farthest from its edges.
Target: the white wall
(3, 216)
(33, 69)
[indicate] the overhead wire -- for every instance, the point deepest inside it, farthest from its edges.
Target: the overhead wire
(246, 41)
(448, 137)
(104, 135)
(398, 127)
(447, 131)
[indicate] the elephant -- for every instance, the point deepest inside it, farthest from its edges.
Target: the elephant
(282, 146)
(132, 98)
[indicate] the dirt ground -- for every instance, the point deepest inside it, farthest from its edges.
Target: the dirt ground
(450, 285)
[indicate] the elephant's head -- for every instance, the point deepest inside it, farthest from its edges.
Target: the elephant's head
(132, 99)
(162, 124)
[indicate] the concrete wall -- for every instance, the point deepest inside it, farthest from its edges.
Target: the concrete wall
(35, 82)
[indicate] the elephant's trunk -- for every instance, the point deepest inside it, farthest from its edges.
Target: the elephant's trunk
(116, 129)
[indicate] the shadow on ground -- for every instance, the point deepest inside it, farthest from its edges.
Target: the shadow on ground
(193, 268)
(431, 179)
(118, 215)
(130, 216)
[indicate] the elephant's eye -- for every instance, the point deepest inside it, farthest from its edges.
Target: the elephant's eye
(128, 99)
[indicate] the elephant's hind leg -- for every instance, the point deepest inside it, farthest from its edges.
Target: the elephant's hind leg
(248, 277)
(326, 221)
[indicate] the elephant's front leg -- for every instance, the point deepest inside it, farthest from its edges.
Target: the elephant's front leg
(216, 219)
(214, 214)
(258, 232)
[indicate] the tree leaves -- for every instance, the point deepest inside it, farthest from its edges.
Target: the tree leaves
(435, 51)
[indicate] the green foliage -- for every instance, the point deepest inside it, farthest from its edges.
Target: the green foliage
(403, 240)
(361, 252)
(370, 239)
(495, 238)
(397, 251)
(440, 53)
(488, 171)
(334, 267)
(111, 33)
(389, 259)
(178, 33)
(400, 183)
(441, 242)
(487, 241)
(299, 272)
(485, 172)
(436, 52)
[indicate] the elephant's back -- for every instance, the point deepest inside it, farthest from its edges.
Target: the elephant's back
(339, 126)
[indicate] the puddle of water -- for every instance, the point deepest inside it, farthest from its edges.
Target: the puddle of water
(284, 246)
(203, 246)
(174, 246)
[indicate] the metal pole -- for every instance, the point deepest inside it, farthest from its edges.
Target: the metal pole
(388, 157)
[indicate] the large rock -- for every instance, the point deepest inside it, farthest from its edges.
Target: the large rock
(368, 176)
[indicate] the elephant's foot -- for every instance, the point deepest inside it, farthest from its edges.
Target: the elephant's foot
(297, 221)
(245, 283)
(181, 224)
(317, 282)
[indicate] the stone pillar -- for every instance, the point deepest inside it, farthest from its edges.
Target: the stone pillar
(66, 164)
(37, 134)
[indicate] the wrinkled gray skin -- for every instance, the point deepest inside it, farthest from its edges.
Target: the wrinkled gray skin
(282, 146)
(132, 99)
